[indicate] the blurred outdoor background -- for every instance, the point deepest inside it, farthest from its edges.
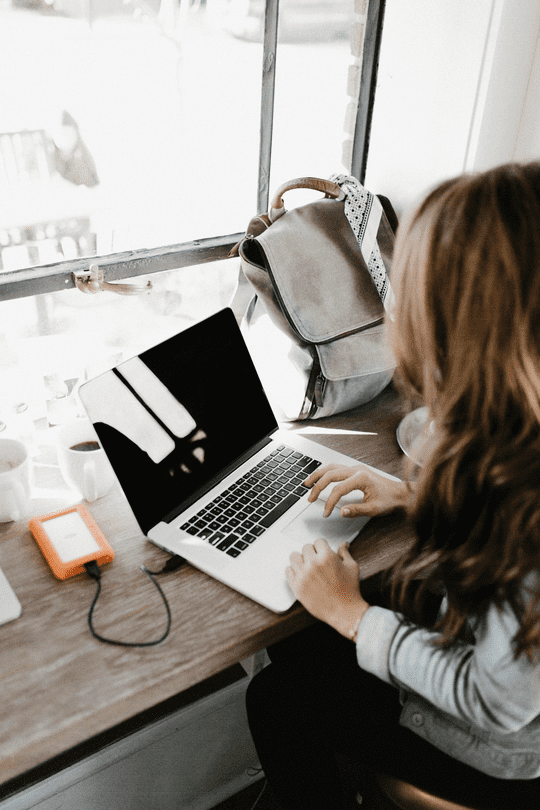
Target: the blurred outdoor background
(128, 124)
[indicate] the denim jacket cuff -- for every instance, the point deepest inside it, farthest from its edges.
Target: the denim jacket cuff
(373, 641)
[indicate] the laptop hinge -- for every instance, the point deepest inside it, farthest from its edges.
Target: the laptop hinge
(217, 479)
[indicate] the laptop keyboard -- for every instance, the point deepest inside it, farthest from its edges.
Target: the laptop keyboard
(241, 514)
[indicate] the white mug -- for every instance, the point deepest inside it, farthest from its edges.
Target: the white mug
(83, 462)
(14, 480)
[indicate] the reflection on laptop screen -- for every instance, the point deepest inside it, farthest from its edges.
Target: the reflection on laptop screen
(175, 417)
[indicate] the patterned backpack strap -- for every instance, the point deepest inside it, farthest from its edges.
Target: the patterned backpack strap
(364, 211)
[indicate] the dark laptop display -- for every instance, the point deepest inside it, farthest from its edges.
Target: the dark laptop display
(194, 403)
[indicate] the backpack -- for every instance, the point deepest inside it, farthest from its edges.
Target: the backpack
(311, 298)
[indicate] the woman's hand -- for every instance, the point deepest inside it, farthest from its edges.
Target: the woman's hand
(328, 585)
(381, 495)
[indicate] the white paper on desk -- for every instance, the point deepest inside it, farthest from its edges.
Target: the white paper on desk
(115, 405)
(10, 607)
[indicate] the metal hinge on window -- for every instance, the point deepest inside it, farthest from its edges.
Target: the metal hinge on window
(93, 281)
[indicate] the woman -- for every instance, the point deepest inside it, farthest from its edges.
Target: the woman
(451, 701)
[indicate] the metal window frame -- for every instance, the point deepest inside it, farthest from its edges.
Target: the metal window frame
(130, 264)
(368, 85)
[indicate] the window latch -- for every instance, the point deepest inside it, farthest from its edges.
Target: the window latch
(93, 281)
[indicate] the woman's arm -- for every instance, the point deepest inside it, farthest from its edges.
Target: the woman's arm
(479, 683)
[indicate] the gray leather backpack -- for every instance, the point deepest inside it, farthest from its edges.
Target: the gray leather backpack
(311, 298)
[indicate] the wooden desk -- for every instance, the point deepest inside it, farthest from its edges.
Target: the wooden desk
(61, 687)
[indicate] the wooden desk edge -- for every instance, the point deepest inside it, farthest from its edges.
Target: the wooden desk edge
(387, 534)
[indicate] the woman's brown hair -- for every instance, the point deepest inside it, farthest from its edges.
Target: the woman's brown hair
(466, 336)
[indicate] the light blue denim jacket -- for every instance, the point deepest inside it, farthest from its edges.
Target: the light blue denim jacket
(474, 701)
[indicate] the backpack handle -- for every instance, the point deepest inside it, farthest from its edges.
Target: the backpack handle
(327, 187)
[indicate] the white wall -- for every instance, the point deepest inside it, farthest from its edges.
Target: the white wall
(456, 91)
(503, 99)
(528, 140)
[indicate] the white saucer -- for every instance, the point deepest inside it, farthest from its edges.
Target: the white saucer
(412, 434)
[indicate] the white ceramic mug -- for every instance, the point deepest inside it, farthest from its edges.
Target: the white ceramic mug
(83, 462)
(14, 480)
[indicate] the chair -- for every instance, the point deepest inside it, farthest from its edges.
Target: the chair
(408, 797)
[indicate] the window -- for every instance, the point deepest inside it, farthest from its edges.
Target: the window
(142, 135)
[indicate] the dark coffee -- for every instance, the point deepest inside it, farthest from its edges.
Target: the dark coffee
(86, 446)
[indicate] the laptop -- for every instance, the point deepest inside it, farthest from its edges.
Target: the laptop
(206, 469)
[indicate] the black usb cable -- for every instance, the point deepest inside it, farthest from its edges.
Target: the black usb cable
(172, 564)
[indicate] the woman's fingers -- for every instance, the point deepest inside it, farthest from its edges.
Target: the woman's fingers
(321, 549)
(327, 584)
(351, 485)
(299, 560)
(344, 553)
(354, 510)
(346, 481)
(324, 476)
(377, 495)
(296, 559)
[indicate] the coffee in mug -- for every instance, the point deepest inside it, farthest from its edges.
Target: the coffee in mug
(83, 462)
(85, 447)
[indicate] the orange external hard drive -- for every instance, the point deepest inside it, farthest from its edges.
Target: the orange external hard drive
(69, 539)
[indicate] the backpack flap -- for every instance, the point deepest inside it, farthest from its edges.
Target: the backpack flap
(356, 355)
(352, 370)
(318, 274)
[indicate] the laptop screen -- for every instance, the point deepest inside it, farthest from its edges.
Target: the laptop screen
(173, 418)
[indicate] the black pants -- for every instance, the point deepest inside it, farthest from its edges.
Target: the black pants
(314, 701)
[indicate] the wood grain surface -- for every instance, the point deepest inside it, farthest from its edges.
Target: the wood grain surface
(60, 686)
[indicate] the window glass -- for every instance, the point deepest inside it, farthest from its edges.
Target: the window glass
(128, 124)
(313, 59)
(124, 124)
(50, 343)
(131, 124)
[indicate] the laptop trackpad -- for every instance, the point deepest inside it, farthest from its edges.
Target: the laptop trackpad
(310, 524)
